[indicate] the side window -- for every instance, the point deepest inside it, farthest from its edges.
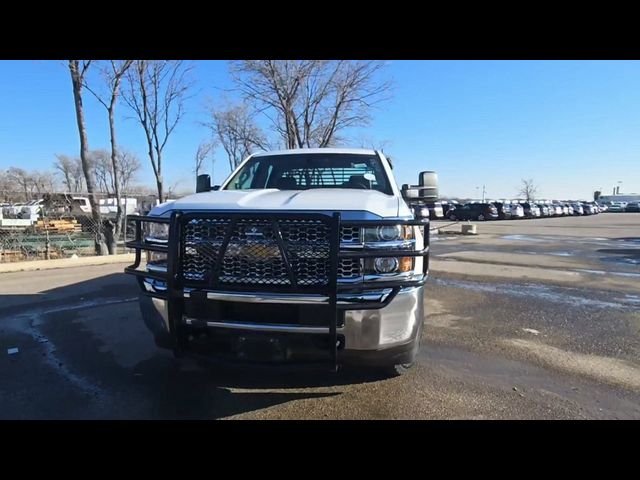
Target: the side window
(245, 180)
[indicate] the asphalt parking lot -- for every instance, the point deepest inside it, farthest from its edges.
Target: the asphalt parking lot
(530, 319)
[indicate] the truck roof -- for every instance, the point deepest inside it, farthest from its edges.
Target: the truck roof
(353, 151)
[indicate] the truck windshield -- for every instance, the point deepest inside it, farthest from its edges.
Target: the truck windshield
(312, 170)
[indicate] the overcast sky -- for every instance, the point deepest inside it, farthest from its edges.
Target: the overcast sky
(571, 126)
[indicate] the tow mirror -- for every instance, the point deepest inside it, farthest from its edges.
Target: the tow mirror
(203, 183)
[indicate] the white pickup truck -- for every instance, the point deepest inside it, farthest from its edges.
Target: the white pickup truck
(301, 257)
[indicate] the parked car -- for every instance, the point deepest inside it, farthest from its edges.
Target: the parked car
(435, 210)
(595, 208)
(475, 211)
(601, 207)
(616, 207)
(531, 210)
(557, 210)
(446, 206)
(544, 210)
(504, 210)
(577, 209)
(517, 211)
(632, 207)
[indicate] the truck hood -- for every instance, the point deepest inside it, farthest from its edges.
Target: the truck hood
(326, 199)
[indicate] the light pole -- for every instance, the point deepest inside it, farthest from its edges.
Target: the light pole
(483, 192)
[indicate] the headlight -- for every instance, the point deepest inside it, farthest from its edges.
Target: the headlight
(388, 233)
(386, 264)
(156, 232)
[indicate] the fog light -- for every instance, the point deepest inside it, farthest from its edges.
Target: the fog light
(386, 264)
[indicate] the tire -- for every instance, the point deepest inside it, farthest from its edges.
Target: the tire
(481, 218)
(452, 217)
(397, 370)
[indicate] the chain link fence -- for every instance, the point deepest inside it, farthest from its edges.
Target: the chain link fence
(61, 225)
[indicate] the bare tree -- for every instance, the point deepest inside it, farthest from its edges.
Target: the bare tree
(71, 170)
(129, 166)
(310, 102)
(112, 74)
(43, 182)
(156, 92)
(101, 164)
(365, 141)
(5, 186)
(66, 166)
(78, 69)
(234, 128)
(528, 190)
(204, 151)
(22, 179)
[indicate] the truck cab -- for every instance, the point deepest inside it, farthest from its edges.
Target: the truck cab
(307, 256)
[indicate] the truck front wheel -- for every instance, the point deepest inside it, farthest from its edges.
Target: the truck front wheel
(398, 369)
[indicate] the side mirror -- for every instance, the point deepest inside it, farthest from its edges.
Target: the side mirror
(215, 187)
(428, 186)
(203, 183)
(411, 194)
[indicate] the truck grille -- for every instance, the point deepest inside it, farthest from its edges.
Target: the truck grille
(253, 255)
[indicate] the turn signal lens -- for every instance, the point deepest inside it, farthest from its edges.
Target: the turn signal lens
(406, 264)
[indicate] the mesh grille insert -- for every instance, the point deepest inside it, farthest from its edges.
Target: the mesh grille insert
(253, 255)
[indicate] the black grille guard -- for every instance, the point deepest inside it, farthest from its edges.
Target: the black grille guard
(176, 284)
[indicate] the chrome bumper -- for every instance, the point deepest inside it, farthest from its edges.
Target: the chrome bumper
(372, 329)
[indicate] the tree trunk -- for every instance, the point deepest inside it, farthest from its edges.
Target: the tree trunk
(117, 228)
(160, 186)
(100, 246)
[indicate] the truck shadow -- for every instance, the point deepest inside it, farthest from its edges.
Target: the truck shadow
(206, 391)
(95, 330)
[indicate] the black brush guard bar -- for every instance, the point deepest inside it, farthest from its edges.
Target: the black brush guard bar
(175, 283)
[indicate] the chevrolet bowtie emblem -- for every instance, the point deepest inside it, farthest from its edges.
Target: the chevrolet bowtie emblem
(253, 231)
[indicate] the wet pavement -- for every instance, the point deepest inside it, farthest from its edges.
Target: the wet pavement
(577, 238)
(492, 348)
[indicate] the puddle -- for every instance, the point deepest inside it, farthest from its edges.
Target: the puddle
(629, 239)
(556, 295)
(621, 260)
(635, 299)
(525, 238)
(557, 254)
(602, 272)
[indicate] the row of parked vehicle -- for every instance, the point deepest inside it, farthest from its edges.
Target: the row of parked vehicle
(624, 207)
(510, 209)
